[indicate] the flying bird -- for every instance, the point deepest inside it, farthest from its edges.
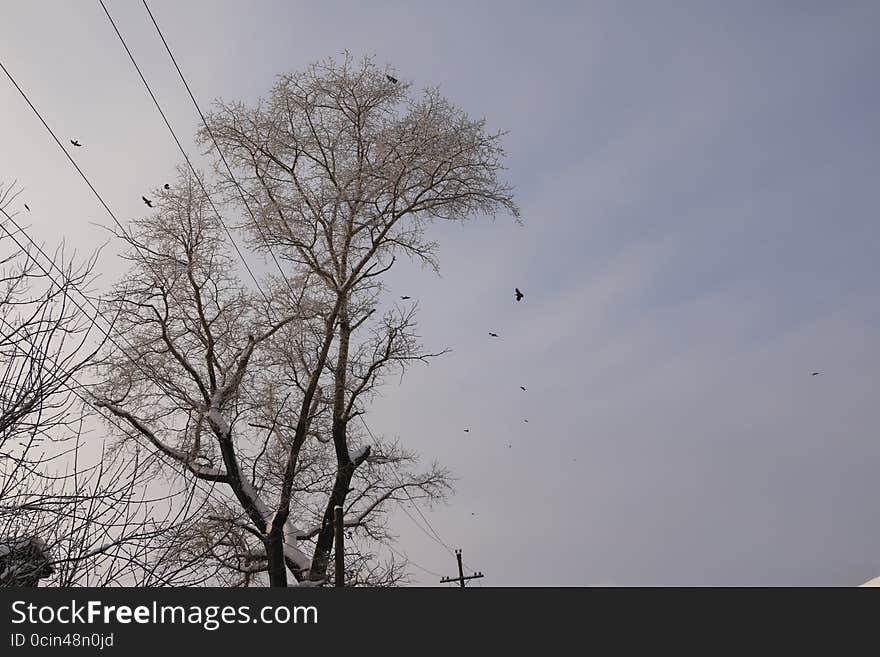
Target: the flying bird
(467, 430)
(166, 186)
(526, 421)
(815, 374)
(392, 80)
(75, 142)
(26, 207)
(404, 298)
(523, 388)
(494, 335)
(147, 201)
(519, 295)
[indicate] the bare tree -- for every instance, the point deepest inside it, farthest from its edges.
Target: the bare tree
(68, 511)
(339, 172)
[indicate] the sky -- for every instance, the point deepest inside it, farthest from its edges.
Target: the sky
(698, 183)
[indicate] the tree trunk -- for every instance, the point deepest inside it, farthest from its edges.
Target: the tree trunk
(277, 565)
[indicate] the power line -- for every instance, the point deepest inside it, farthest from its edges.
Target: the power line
(156, 455)
(408, 560)
(69, 376)
(436, 536)
(182, 151)
(102, 202)
(217, 146)
(97, 194)
(93, 323)
(115, 220)
(125, 233)
(64, 150)
(61, 375)
(53, 264)
(98, 312)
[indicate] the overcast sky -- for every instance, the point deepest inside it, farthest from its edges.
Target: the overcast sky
(699, 188)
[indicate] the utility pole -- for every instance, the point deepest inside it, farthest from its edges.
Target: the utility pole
(461, 576)
(340, 546)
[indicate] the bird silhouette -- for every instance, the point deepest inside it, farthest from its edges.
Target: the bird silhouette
(519, 295)
(166, 186)
(392, 80)
(26, 207)
(404, 298)
(523, 388)
(467, 430)
(494, 335)
(147, 201)
(815, 374)
(75, 142)
(526, 421)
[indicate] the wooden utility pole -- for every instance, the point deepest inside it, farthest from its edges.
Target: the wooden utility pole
(340, 546)
(461, 576)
